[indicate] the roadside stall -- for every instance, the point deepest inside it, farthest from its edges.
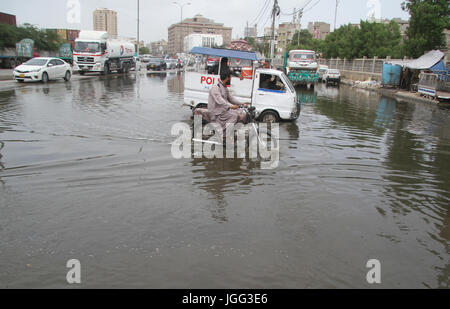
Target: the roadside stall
(427, 74)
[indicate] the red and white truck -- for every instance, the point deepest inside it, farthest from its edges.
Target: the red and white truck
(94, 51)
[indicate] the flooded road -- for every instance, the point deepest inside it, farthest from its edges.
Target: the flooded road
(87, 174)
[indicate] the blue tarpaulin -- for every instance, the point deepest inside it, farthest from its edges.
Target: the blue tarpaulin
(440, 69)
(229, 53)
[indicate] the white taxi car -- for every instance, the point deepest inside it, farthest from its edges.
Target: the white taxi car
(43, 69)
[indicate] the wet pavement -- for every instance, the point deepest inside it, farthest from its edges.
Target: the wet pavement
(87, 174)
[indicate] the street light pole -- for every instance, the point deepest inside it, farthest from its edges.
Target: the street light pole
(275, 12)
(181, 21)
(138, 28)
(335, 14)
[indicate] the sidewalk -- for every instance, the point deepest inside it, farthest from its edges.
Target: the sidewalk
(397, 94)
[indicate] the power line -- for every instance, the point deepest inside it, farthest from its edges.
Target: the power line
(297, 11)
(309, 9)
(261, 13)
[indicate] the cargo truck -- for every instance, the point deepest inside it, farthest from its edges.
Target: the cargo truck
(301, 67)
(95, 51)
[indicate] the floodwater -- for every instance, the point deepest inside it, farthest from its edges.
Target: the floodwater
(87, 174)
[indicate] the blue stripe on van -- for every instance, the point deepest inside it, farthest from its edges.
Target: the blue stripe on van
(270, 90)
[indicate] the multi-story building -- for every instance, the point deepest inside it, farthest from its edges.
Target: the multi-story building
(69, 35)
(268, 32)
(286, 32)
(319, 30)
(202, 40)
(198, 24)
(105, 20)
(8, 19)
(158, 48)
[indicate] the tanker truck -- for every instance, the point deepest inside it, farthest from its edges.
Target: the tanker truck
(95, 51)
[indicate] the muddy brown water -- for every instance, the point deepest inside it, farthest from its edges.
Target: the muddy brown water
(87, 174)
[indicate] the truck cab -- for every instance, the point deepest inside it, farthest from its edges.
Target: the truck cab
(95, 52)
(269, 91)
(302, 60)
(302, 67)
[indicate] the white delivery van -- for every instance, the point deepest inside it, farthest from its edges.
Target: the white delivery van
(269, 91)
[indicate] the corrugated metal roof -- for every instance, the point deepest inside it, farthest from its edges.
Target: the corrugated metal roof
(424, 62)
(229, 53)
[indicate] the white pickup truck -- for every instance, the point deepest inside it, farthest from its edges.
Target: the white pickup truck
(269, 91)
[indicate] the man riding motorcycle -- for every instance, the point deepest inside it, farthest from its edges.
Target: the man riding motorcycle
(222, 107)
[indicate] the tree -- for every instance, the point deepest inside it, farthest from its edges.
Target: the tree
(369, 40)
(428, 20)
(303, 40)
(8, 36)
(144, 50)
(44, 39)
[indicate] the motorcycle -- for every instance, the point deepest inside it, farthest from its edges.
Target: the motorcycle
(249, 119)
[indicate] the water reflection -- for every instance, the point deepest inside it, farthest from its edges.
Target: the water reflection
(175, 83)
(385, 112)
(306, 96)
(91, 160)
(219, 177)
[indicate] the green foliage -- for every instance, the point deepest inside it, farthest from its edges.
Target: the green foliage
(144, 50)
(428, 20)
(304, 40)
(370, 40)
(262, 47)
(44, 39)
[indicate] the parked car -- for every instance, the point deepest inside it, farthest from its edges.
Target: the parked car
(332, 76)
(146, 58)
(157, 64)
(322, 71)
(211, 63)
(171, 63)
(43, 69)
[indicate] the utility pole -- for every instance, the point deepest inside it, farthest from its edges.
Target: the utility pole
(300, 15)
(275, 11)
(335, 14)
(138, 28)
(181, 22)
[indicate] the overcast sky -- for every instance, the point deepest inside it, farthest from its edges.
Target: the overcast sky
(158, 15)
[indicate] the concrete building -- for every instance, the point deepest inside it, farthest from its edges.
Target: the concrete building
(8, 19)
(268, 32)
(202, 40)
(286, 32)
(319, 30)
(106, 20)
(198, 24)
(69, 35)
(158, 48)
